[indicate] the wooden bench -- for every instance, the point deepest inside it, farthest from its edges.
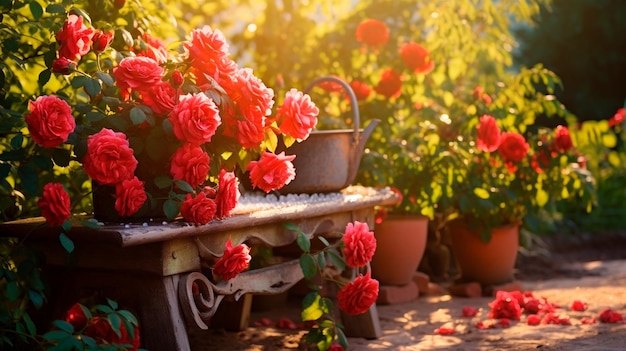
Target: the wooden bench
(153, 267)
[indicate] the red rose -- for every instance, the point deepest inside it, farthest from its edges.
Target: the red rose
(63, 66)
(562, 139)
(130, 195)
(297, 115)
(359, 244)
(76, 316)
(50, 121)
(55, 204)
(390, 84)
(359, 295)
(234, 261)
(191, 164)
(195, 119)
(74, 38)
(137, 73)
(255, 102)
(109, 158)
(161, 98)
(361, 90)
(416, 57)
(208, 52)
(513, 147)
(198, 210)
(272, 171)
(331, 86)
(488, 134)
(540, 160)
(228, 194)
(505, 306)
(101, 41)
(372, 32)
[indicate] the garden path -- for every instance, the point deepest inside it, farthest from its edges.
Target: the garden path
(575, 273)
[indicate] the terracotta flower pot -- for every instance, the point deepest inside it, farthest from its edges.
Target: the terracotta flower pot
(489, 263)
(400, 245)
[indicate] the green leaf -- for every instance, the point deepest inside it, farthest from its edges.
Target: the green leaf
(324, 241)
(55, 335)
(112, 303)
(127, 315)
(36, 298)
(311, 309)
(336, 259)
(36, 10)
(163, 182)
(30, 326)
(303, 242)
(55, 8)
(16, 141)
(94, 116)
(341, 337)
(321, 260)
(63, 325)
(12, 290)
(29, 177)
(170, 208)
(66, 242)
(184, 186)
(116, 322)
(137, 116)
(79, 81)
(93, 87)
(93, 224)
(104, 309)
(308, 266)
(105, 78)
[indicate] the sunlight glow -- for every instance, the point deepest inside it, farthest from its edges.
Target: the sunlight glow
(445, 119)
(251, 28)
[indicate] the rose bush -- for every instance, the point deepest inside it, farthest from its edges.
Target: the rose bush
(346, 263)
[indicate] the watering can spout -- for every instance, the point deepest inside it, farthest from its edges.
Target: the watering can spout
(359, 147)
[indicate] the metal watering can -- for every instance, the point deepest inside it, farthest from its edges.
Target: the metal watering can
(328, 160)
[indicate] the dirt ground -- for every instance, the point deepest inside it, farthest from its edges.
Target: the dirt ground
(591, 269)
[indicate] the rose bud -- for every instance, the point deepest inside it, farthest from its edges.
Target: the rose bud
(63, 66)
(177, 79)
(101, 41)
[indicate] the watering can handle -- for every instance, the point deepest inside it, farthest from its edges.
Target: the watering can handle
(351, 95)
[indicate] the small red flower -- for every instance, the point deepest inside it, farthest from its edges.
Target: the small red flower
(618, 118)
(610, 316)
(505, 306)
(195, 119)
(177, 79)
(198, 210)
(272, 171)
(286, 323)
(504, 322)
(234, 261)
(63, 66)
(390, 84)
(109, 158)
(191, 164)
(130, 195)
(533, 319)
(361, 90)
(336, 347)
(444, 331)
(360, 244)
(469, 311)
(50, 121)
(101, 41)
(297, 115)
(359, 295)
(578, 305)
(372, 32)
(55, 204)
(488, 134)
(562, 139)
(74, 38)
(76, 316)
(416, 58)
(228, 194)
(513, 148)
